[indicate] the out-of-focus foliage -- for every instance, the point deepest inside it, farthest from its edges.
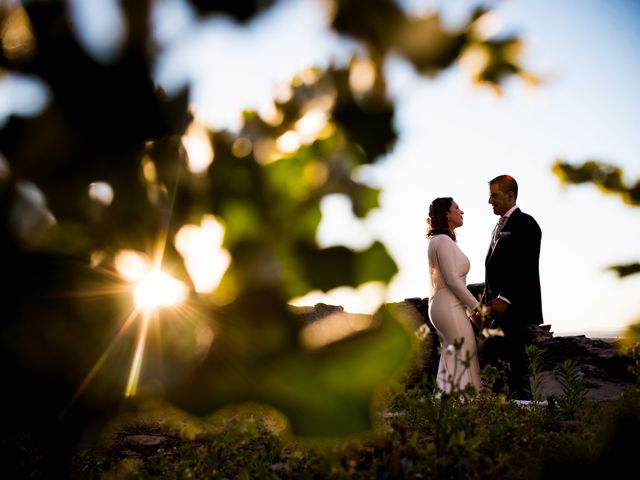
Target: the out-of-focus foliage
(625, 270)
(324, 391)
(610, 180)
(67, 328)
(632, 335)
(428, 45)
(240, 9)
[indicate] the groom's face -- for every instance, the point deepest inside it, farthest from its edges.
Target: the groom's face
(501, 202)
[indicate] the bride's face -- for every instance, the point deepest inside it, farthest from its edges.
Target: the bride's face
(454, 216)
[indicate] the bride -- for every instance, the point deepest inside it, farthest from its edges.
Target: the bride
(451, 302)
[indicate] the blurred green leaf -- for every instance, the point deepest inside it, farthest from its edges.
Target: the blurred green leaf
(67, 328)
(495, 60)
(374, 22)
(428, 45)
(608, 178)
(375, 265)
(365, 200)
(326, 392)
(335, 266)
(626, 270)
(368, 121)
(631, 335)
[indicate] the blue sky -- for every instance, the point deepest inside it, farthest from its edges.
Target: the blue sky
(452, 138)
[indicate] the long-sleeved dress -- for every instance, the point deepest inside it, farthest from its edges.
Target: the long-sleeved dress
(450, 297)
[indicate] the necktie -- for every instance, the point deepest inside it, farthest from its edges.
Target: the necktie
(496, 231)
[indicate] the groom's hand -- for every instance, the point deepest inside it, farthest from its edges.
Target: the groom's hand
(498, 306)
(476, 319)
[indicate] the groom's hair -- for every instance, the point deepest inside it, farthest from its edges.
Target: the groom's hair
(506, 184)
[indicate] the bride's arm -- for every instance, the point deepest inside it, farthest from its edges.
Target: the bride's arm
(446, 255)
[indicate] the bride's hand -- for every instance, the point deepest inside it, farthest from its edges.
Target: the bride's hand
(476, 317)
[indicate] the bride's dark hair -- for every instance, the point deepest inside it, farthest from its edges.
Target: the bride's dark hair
(438, 223)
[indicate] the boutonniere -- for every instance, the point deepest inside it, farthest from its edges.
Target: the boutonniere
(504, 234)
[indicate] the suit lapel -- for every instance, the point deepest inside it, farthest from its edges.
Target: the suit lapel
(491, 250)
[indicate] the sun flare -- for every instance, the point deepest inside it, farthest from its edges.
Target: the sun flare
(157, 289)
(152, 289)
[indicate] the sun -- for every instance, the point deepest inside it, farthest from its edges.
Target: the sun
(158, 289)
(153, 289)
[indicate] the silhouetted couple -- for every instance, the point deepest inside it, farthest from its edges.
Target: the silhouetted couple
(511, 294)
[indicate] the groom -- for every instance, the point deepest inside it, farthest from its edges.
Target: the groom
(512, 285)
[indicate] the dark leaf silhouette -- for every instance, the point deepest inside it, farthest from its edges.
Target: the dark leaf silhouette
(242, 10)
(626, 270)
(71, 323)
(373, 22)
(335, 266)
(429, 46)
(608, 178)
(324, 390)
(368, 121)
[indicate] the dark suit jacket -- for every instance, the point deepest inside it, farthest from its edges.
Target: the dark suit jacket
(512, 270)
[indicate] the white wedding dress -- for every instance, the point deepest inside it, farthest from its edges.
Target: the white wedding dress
(450, 297)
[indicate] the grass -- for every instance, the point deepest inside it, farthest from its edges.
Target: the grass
(419, 436)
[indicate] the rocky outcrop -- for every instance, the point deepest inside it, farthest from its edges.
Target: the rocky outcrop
(600, 362)
(318, 311)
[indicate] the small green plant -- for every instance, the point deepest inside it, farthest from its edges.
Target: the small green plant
(461, 365)
(535, 356)
(634, 354)
(573, 389)
(492, 374)
(426, 437)
(441, 409)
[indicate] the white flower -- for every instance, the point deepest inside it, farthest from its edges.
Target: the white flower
(492, 332)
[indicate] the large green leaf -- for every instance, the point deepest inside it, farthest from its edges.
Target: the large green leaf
(109, 122)
(328, 391)
(368, 122)
(375, 264)
(332, 267)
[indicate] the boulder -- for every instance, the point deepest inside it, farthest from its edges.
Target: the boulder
(600, 362)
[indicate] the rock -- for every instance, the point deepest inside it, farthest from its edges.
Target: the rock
(145, 440)
(603, 367)
(600, 362)
(318, 311)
